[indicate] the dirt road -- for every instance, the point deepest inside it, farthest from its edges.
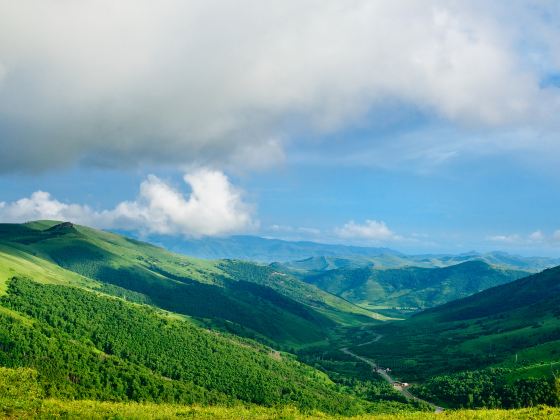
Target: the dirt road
(376, 369)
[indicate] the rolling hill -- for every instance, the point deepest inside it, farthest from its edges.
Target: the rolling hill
(77, 333)
(410, 287)
(87, 314)
(248, 299)
(89, 346)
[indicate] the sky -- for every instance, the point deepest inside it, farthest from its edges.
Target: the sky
(426, 126)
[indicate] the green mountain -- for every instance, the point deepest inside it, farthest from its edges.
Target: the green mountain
(410, 287)
(500, 347)
(88, 346)
(81, 317)
(249, 299)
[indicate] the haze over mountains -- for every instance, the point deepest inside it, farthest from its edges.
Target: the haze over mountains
(254, 248)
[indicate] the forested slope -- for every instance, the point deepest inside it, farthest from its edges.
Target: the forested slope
(86, 345)
(415, 287)
(217, 292)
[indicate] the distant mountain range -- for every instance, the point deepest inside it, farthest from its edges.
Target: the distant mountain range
(255, 248)
(312, 254)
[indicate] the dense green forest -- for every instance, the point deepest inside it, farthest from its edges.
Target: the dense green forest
(490, 388)
(88, 346)
(21, 396)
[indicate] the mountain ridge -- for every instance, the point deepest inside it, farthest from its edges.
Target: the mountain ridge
(269, 250)
(254, 301)
(415, 287)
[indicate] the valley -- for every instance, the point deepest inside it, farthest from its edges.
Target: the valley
(399, 386)
(409, 289)
(91, 315)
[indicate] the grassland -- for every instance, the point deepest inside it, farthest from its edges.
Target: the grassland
(49, 409)
(22, 397)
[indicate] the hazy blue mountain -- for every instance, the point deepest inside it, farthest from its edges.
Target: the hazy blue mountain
(495, 258)
(315, 256)
(255, 248)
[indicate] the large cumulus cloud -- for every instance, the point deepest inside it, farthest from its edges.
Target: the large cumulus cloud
(213, 207)
(171, 81)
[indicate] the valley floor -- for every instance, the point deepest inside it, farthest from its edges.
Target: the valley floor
(388, 378)
(106, 410)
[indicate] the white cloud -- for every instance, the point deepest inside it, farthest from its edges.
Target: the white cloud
(214, 207)
(508, 239)
(536, 236)
(138, 81)
(281, 228)
(309, 231)
(370, 230)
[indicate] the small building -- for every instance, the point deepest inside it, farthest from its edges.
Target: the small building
(400, 384)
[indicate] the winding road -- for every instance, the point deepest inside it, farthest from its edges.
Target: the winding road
(376, 369)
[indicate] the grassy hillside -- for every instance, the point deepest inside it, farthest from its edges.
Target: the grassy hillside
(411, 287)
(340, 310)
(93, 336)
(507, 337)
(218, 293)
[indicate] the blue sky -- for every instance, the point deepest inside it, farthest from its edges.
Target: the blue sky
(426, 127)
